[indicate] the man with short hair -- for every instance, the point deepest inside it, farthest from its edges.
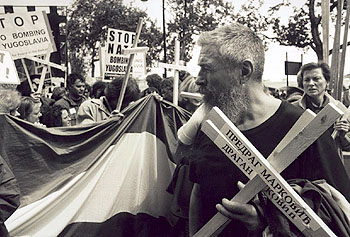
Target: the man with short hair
(232, 61)
(74, 97)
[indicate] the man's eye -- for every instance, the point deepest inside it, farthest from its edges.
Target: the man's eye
(206, 69)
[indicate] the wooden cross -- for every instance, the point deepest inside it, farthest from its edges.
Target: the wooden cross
(176, 67)
(46, 62)
(135, 50)
(261, 171)
(346, 116)
(128, 69)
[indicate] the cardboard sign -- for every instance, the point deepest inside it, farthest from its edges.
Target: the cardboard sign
(26, 34)
(8, 71)
(116, 62)
(139, 65)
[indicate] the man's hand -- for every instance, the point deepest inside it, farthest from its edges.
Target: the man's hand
(117, 114)
(246, 213)
(342, 126)
(36, 96)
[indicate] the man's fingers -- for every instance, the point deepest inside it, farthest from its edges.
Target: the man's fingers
(237, 208)
(225, 212)
(240, 185)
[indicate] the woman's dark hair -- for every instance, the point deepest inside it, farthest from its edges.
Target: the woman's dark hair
(154, 80)
(310, 66)
(24, 88)
(26, 107)
(58, 93)
(132, 92)
(98, 89)
(73, 77)
(52, 116)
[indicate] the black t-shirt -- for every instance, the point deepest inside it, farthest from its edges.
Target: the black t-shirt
(218, 176)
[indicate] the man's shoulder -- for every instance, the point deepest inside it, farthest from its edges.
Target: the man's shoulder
(293, 107)
(289, 112)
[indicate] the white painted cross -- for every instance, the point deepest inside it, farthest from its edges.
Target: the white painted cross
(135, 50)
(176, 67)
(46, 62)
(128, 69)
(262, 172)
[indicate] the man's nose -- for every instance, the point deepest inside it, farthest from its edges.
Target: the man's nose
(311, 82)
(200, 80)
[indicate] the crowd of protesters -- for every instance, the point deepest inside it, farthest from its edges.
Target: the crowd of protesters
(81, 103)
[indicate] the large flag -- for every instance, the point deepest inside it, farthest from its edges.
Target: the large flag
(103, 179)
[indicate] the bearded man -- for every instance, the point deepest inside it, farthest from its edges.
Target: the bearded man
(232, 62)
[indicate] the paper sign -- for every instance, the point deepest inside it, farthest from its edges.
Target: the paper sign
(8, 71)
(25, 34)
(116, 62)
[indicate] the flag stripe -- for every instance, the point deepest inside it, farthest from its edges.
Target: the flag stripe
(123, 180)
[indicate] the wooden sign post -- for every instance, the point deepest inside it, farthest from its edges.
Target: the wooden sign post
(176, 67)
(262, 172)
(128, 70)
(43, 73)
(334, 85)
(343, 54)
(325, 30)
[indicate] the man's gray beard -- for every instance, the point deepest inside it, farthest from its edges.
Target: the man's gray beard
(232, 102)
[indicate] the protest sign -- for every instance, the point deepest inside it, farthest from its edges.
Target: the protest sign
(139, 61)
(26, 34)
(115, 60)
(8, 72)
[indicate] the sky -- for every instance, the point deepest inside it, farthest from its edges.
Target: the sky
(275, 55)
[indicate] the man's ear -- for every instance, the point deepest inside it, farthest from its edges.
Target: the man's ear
(247, 71)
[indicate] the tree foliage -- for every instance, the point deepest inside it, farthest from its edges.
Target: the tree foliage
(88, 22)
(191, 17)
(304, 27)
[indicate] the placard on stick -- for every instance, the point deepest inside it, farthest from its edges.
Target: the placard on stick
(26, 34)
(8, 71)
(115, 58)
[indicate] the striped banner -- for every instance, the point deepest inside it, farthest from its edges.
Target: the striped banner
(103, 179)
